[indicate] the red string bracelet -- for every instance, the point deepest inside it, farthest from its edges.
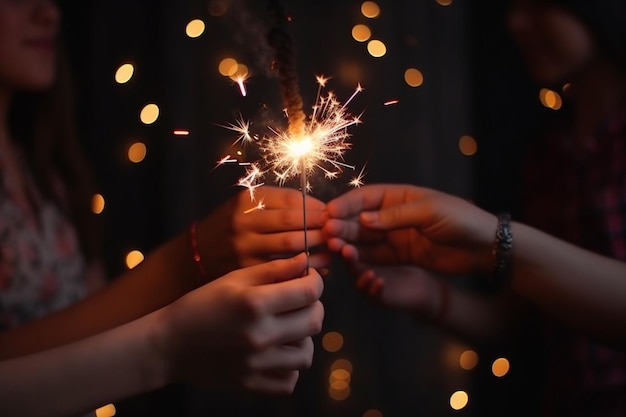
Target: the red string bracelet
(193, 238)
(444, 302)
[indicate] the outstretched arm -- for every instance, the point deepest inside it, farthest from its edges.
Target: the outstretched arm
(247, 330)
(229, 238)
(403, 224)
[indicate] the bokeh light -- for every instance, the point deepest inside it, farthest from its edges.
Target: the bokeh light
(340, 375)
(332, 341)
(137, 152)
(195, 28)
(370, 9)
(350, 72)
(341, 364)
(468, 360)
(149, 114)
(106, 411)
(97, 203)
(241, 71)
(444, 2)
(500, 367)
(459, 400)
(468, 145)
(372, 413)
(376, 48)
(361, 33)
(134, 258)
(228, 67)
(413, 77)
(339, 390)
(550, 99)
(124, 73)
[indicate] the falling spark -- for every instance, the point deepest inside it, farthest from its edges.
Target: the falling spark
(181, 132)
(242, 127)
(225, 160)
(390, 102)
(259, 206)
(357, 181)
(251, 180)
(240, 80)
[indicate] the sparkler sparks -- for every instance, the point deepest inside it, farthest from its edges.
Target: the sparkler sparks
(357, 181)
(320, 144)
(242, 127)
(259, 206)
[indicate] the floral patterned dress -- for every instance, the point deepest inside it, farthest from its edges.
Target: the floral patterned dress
(41, 265)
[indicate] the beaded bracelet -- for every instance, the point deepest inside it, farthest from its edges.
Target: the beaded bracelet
(193, 238)
(502, 250)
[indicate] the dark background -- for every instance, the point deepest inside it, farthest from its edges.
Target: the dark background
(474, 84)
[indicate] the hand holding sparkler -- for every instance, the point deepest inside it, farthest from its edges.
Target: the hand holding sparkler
(393, 224)
(242, 232)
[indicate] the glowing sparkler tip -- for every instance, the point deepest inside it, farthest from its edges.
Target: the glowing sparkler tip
(319, 143)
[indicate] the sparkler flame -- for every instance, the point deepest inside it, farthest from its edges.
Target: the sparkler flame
(321, 144)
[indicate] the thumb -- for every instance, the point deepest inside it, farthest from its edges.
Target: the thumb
(274, 271)
(413, 214)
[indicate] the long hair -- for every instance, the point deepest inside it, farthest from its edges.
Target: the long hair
(44, 123)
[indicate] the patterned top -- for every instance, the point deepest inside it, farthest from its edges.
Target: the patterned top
(41, 266)
(579, 194)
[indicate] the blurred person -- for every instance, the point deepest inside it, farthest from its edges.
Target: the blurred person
(52, 280)
(574, 188)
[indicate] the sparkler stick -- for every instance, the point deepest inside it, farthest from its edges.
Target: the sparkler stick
(317, 142)
(303, 189)
(280, 40)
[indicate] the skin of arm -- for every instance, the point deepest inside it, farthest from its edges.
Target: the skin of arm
(247, 330)
(408, 225)
(228, 239)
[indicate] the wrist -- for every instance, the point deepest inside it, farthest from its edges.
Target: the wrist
(159, 351)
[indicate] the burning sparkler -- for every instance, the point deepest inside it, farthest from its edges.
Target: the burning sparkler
(318, 141)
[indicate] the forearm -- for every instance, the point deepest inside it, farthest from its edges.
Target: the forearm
(82, 376)
(163, 277)
(481, 319)
(583, 289)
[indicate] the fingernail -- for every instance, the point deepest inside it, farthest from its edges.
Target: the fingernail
(369, 216)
